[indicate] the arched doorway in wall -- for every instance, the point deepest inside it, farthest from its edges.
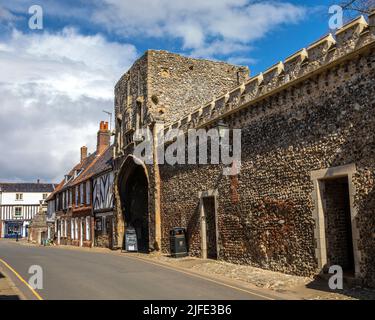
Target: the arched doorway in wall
(133, 188)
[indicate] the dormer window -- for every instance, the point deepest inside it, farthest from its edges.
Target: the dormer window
(77, 173)
(67, 178)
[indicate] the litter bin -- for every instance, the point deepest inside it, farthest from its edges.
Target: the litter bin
(131, 242)
(178, 243)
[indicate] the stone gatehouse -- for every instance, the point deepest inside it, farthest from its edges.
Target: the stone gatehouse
(304, 197)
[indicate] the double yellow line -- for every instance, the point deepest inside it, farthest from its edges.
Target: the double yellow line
(36, 294)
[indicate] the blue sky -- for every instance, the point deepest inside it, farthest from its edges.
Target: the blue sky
(55, 82)
(282, 39)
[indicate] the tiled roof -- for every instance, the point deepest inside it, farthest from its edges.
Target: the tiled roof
(101, 164)
(83, 166)
(27, 187)
(58, 188)
(80, 166)
(91, 166)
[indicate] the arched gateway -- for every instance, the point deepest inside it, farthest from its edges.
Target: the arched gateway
(133, 188)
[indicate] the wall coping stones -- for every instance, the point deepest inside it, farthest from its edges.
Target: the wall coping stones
(302, 54)
(302, 64)
(358, 22)
(329, 40)
(278, 67)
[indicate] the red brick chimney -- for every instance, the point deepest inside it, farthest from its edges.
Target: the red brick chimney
(104, 137)
(83, 153)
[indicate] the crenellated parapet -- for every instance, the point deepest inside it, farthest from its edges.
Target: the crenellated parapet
(323, 53)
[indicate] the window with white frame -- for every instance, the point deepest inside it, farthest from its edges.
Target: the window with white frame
(76, 228)
(63, 201)
(88, 193)
(77, 196)
(70, 197)
(18, 212)
(81, 194)
(19, 196)
(65, 228)
(88, 228)
(72, 230)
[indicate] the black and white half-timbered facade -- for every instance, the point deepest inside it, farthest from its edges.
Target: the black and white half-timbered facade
(19, 203)
(81, 207)
(103, 201)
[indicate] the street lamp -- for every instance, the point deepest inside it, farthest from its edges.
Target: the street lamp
(222, 127)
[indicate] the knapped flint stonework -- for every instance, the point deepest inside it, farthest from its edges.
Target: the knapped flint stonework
(281, 146)
(312, 112)
(163, 86)
(168, 86)
(179, 84)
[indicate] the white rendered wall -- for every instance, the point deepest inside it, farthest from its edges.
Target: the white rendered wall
(28, 198)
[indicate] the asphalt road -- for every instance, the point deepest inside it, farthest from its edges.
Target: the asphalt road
(77, 275)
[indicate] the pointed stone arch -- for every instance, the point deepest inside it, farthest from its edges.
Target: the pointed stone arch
(132, 189)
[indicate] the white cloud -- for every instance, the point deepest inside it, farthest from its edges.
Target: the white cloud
(65, 62)
(199, 24)
(53, 88)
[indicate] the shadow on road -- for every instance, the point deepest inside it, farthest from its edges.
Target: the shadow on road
(6, 293)
(9, 298)
(350, 291)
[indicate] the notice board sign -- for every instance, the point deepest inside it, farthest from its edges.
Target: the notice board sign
(131, 242)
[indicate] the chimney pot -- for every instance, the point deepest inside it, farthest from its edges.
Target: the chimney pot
(104, 137)
(83, 153)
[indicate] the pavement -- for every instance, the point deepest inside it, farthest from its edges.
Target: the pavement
(70, 274)
(8, 290)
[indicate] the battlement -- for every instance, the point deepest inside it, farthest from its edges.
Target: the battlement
(352, 37)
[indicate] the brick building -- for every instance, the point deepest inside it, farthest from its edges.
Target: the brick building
(304, 197)
(72, 203)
